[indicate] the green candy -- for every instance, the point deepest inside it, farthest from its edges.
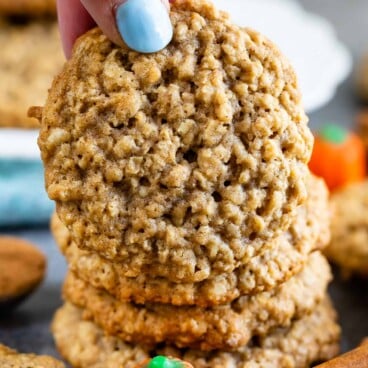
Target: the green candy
(334, 133)
(164, 362)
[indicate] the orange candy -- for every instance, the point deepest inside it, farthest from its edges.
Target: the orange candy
(338, 157)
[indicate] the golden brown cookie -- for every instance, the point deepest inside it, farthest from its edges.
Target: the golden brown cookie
(28, 7)
(30, 56)
(182, 159)
(349, 229)
(22, 268)
(9, 358)
(223, 327)
(352, 359)
(362, 126)
(361, 79)
(283, 258)
(313, 338)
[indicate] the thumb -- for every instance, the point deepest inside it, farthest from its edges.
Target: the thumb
(143, 25)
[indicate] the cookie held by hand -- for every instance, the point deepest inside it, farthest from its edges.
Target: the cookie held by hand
(30, 56)
(202, 146)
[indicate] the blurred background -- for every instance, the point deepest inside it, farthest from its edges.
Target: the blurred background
(326, 41)
(350, 22)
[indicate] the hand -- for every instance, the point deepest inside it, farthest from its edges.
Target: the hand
(143, 25)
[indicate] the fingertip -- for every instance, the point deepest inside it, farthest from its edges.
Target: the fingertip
(74, 20)
(144, 25)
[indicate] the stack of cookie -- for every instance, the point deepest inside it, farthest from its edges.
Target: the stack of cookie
(30, 57)
(185, 208)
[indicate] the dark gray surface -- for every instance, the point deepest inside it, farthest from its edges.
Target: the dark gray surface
(28, 328)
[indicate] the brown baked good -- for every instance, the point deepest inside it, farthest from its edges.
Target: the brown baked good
(362, 126)
(10, 358)
(361, 78)
(223, 327)
(349, 229)
(183, 158)
(28, 7)
(284, 257)
(314, 338)
(148, 361)
(30, 56)
(22, 268)
(353, 359)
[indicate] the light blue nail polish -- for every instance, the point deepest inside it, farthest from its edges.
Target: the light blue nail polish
(144, 25)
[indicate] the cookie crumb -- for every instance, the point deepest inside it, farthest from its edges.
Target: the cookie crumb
(35, 112)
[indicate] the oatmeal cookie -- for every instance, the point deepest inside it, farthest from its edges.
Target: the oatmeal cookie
(22, 269)
(185, 157)
(311, 339)
(282, 259)
(361, 121)
(9, 358)
(349, 229)
(361, 78)
(223, 327)
(30, 56)
(28, 7)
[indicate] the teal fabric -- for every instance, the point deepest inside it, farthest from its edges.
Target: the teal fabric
(23, 200)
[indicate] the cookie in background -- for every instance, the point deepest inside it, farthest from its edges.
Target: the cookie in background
(349, 230)
(30, 56)
(28, 7)
(12, 359)
(22, 269)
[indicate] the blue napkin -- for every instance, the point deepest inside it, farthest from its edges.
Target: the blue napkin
(23, 199)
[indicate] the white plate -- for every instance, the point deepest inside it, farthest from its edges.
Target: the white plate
(19, 144)
(308, 40)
